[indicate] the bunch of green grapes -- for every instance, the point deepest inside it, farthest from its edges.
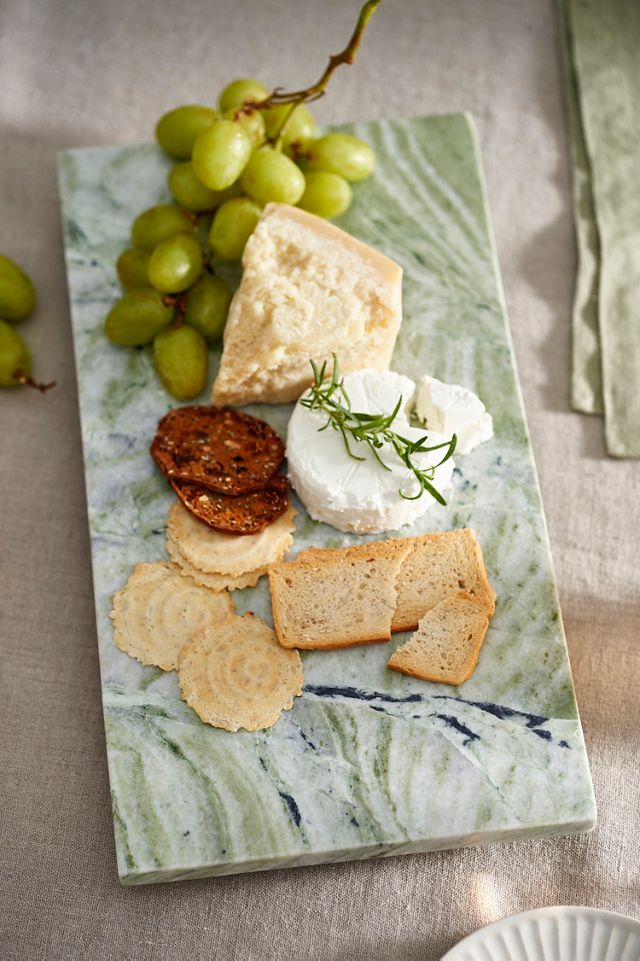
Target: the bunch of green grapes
(17, 301)
(230, 163)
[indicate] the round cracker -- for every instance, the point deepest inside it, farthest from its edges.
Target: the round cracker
(243, 514)
(159, 611)
(220, 448)
(214, 552)
(215, 582)
(236, 675)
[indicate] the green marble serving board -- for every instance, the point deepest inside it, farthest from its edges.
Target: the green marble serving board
(368, 762)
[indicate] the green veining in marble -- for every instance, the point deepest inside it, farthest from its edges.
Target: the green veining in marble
(368, 762)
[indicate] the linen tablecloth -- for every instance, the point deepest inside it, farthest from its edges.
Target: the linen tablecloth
(79, 73)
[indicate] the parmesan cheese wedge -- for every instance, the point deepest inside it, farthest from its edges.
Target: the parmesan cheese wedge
(308, 290)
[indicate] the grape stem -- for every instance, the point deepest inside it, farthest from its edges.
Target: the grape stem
(179, 304)
(279, 96)
(21, 377)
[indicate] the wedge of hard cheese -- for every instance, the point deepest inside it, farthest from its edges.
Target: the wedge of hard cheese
(308, 290)
(446, 646)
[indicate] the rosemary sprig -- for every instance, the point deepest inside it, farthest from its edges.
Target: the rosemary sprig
(329, 396)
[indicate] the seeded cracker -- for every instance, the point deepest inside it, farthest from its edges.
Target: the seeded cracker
(214, 552)
(159, 611)
(242, 514)
(222, 449)
(235, 675)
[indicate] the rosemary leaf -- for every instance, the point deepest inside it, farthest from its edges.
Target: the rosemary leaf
(331, 397)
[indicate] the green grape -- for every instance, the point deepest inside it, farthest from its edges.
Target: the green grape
(190, 192)
(17, 294)
(181, 360)
(220, 154)
(137, 317)
(131, 267)
(325, 194)
(252, 124)
(207, 304)
(340, 153)
(175, 264)
(159, 223)
(188, 182)
(177, 130)
(301, 126)
(204, 226)
(232, 226)
(270, 176)
(235, 93)
(15, 358)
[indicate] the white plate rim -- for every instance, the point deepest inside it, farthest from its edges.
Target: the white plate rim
(623, 921)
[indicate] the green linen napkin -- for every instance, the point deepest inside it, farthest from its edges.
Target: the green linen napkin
(602, 43)
(586, 378)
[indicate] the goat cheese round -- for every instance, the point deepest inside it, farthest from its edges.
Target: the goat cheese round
(360, 495)
(452, 409)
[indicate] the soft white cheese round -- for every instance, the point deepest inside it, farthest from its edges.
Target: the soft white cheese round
(452, 409)
(355, 495)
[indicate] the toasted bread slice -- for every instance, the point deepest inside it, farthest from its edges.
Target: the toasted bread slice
(446, 646)
(438, 566)
(335, 598)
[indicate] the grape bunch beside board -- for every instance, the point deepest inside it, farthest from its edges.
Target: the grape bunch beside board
(256, 147)
(17, 302)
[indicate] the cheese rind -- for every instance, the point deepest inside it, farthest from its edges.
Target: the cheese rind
(308, 290)
(452, 409)
(360, 495)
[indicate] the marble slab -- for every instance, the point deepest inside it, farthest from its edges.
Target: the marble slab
(368, 762)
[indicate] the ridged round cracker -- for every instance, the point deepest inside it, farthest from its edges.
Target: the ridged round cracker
(243, 514)
(215, 582)
(235, 675)
(214, 552)
(159, 611)
(220, 448)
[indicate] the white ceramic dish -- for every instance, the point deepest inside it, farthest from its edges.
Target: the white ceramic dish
(553, 934)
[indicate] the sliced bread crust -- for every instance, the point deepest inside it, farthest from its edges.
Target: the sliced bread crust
(446, 646)
(439, 565)
(331, 598)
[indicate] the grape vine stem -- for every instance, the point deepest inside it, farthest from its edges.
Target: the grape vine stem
(280, 97)
(26, 380)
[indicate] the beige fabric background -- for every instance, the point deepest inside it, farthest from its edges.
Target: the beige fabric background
(83, 72)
